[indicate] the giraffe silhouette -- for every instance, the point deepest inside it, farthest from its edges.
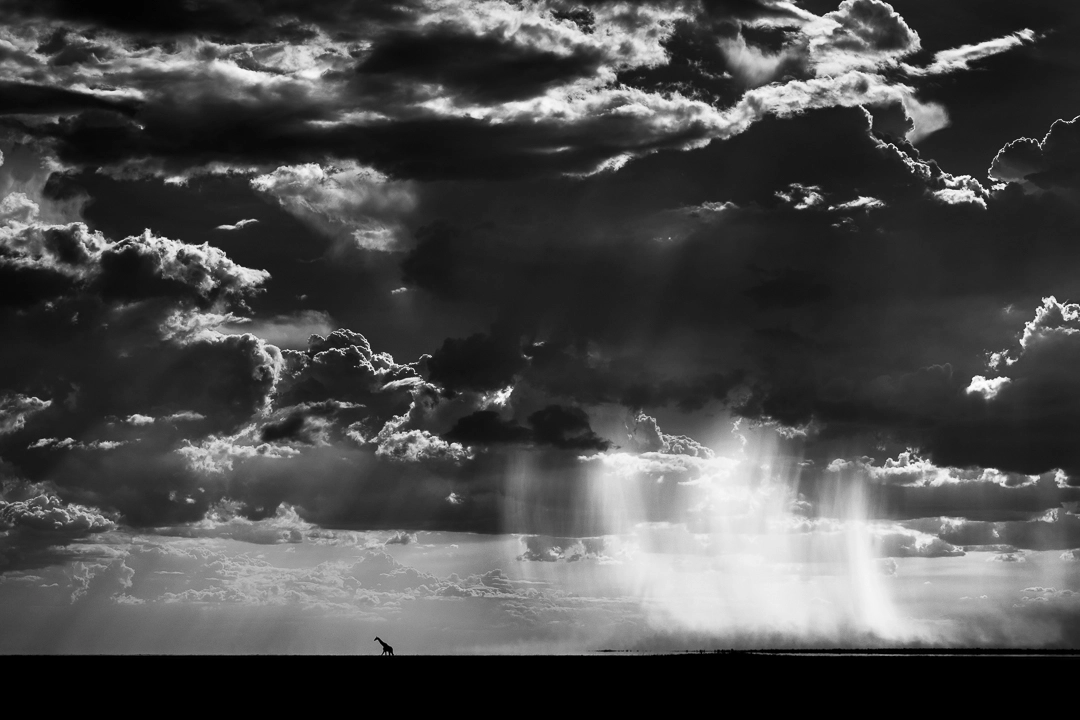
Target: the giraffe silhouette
(386, 649)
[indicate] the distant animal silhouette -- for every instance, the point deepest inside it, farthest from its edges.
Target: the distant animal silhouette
(386, 649)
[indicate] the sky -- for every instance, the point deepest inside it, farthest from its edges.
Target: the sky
(538, 327)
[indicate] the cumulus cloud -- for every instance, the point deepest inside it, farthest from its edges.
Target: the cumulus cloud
(986, 387)
(312, 423)
(71, 443)
(341, 367)
(37, 527)
(645, 434)
(47, 513)
(120, 336)
(1022, 417)
(14, 409)
(1052, 163)
(655, 281)
(437, 90)
(801, 197)
(351, 203)
(859, 33)
(419, 445)
(239, 225)
(54, 259)
(216, 455)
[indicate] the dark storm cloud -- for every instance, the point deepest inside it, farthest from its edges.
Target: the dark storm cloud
(383, 91)
(974, 494)
(815, 269)
(289, 427)
(566, 428)
(559, 427)
(365, 467)
(311, 423)
(478, 69)
(240, 104)
(24, 287)
(746, 9)
(255, 454)
(181, 132)
(120, 335)
(478, 362)
(701, 67)
(341, 366)
(485, 427)
(1021, 418)
(789, 289)
(565, 371)
(181, 135)
(346, 487)
(256, 21)
(356, 488)
(128, 370)
(310, 276)
(134, 269)
(23, 98)
(638, 311)
(1053, 162)
(65, 48)
(129, 270)
(1010, 95)
(724, 275)
(133, 469)
(1025, 419)
(818, 310)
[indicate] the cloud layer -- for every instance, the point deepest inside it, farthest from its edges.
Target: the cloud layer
(520, 268)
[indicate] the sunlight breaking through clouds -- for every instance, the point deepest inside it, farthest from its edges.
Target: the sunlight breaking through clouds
(538, 326)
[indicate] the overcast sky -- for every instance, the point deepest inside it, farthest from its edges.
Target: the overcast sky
(511, 326)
